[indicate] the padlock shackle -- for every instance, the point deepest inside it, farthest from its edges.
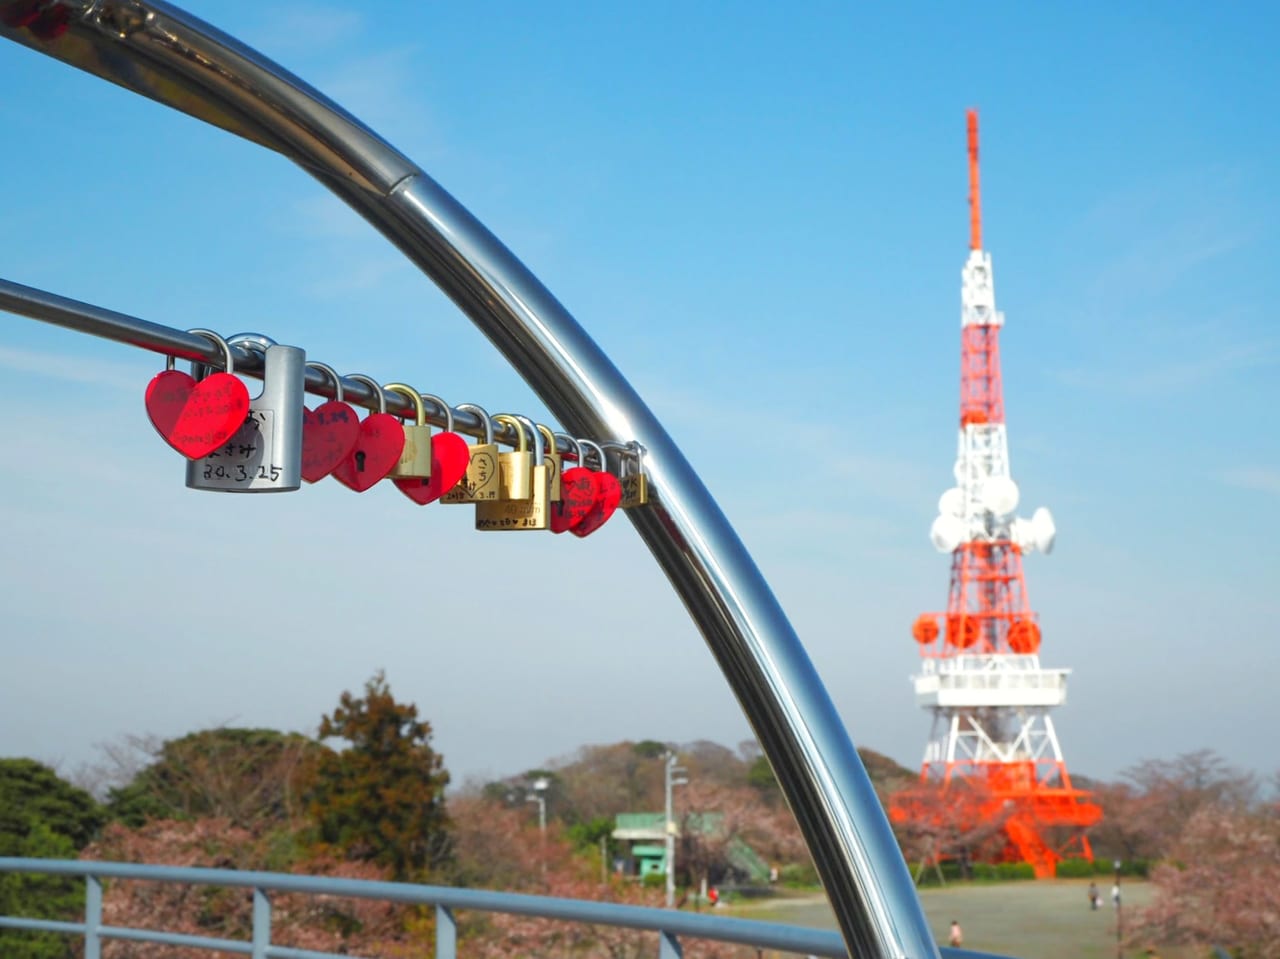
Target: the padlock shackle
(448, 410)
(486, 421)
(370, 382)
(229, 364)
(414, 397)
(549, 436)
(330, 372)
(628, 453)
(251, 340)
(566, 441)
(535, 441)
(584, 445)
(506, 419)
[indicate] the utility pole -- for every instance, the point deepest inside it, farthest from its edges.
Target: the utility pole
(1115, 899)
(672, 771)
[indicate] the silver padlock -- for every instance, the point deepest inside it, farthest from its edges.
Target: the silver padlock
(265, 454)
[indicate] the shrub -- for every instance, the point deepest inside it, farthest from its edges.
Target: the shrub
(798, 875)
(1003, 870)
(1076, 869)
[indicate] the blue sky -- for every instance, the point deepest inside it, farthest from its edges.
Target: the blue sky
(760, 215)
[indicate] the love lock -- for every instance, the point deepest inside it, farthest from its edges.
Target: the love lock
(329, 432)
(195, 418)
(524, 472)
(577, 490)
(480, 482)
(554, 465)
(378, 447)
(265, 453)
(450, 459)
(608, 493)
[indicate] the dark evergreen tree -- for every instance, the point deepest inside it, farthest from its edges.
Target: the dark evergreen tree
(42, 816)
(380, 799)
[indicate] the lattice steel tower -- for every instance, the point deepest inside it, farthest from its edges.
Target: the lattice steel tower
(981, 675)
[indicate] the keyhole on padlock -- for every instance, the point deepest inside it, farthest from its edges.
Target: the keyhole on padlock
(360, 457)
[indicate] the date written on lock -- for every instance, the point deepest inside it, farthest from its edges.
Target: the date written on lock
(240, 462)
(515, 514)
(480, 483)
(526, 509)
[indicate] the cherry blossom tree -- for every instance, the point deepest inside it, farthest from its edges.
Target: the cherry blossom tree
(1220, 885)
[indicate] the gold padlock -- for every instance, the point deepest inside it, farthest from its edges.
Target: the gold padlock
(415, 458)
(480, 484)
(514, 468)
(635, 484)
(555, 465)
(531, 513)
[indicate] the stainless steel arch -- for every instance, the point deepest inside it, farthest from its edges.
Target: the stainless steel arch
(168, 55)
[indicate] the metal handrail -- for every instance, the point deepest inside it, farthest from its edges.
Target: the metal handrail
(669, 924)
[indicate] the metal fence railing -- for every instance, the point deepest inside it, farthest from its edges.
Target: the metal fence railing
(668, 925)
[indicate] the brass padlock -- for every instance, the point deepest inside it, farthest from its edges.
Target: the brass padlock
(635, 484)
(480, 483)
(514, 468)
(415, 458)
(555, 465)
(532, 512)
(265, 454)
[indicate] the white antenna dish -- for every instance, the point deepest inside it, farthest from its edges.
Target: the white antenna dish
(1043, 530)
(1023, 534)
(951, 502)
(947, 532)
(1000, 495)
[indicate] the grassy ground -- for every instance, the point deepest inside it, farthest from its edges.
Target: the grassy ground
(1048, 919)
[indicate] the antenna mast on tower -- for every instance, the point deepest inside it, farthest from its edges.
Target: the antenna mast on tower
(980, 674)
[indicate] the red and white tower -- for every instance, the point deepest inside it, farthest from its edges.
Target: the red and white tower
(981, 675)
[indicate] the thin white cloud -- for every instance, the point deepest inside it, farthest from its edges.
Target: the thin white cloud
(304, 30)
(1258, 478)
(1166, 229)
(1177, 375)
(70, 369)
(321, 215)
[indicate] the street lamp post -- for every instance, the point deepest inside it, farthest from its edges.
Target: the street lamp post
(672, 771)
(540, 786)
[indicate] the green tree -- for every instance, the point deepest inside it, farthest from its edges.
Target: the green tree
(382, 798)
(247, 776)
(41, 817)
(32, 794)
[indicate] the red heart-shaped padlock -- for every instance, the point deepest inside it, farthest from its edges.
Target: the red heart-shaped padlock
(577, 496)
(608, 496)
(375, 454)
(450, 456)
(196, 418)
(329, 434)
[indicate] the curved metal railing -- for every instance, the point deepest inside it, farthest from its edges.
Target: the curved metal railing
(669, 925)
(170, 56)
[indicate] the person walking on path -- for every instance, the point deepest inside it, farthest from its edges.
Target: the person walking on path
(957, 935)
(1093, 896)
(1115, 895)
